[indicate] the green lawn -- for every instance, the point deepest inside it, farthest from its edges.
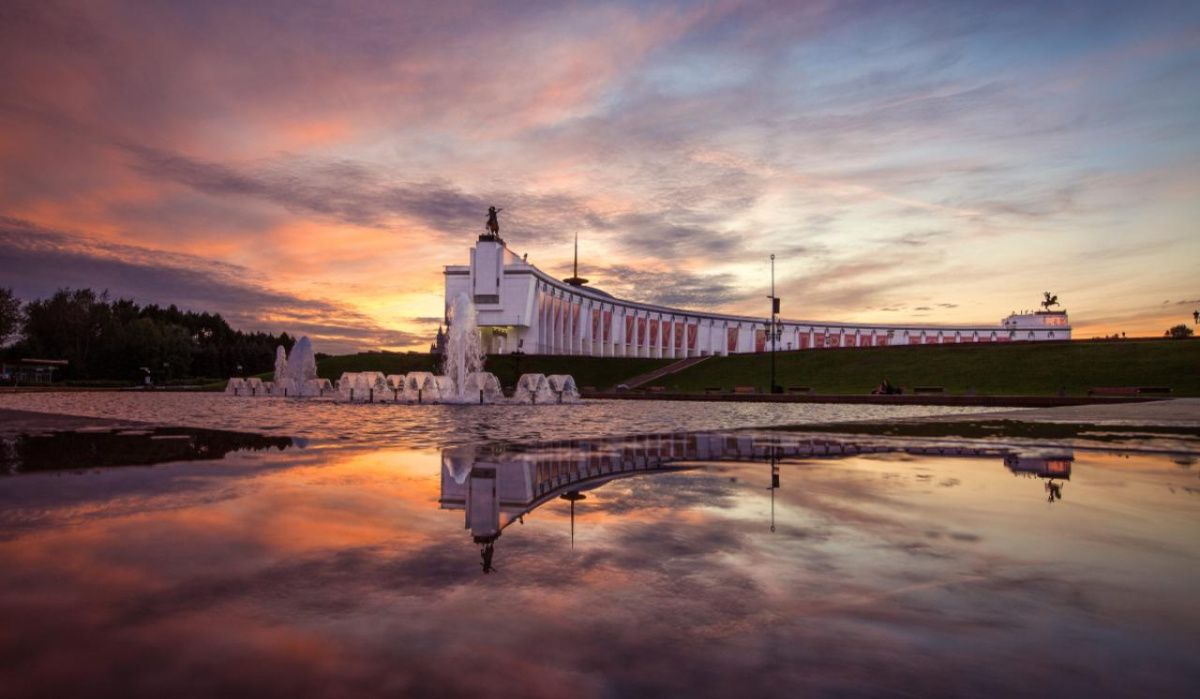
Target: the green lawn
(1003, 369)
(599, 372)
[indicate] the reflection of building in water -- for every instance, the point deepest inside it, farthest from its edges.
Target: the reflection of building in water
(1050, 468)
(1040, 466)
(496, 487)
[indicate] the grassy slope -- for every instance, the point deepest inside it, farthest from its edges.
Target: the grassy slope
(1008, 369)
(588, 371)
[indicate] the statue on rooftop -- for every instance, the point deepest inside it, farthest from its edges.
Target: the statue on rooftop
(493, 225)
(1050, 300)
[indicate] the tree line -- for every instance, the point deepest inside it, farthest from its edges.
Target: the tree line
(117, 339)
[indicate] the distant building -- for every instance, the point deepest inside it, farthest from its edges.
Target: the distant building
(521, 308)
(31, 371)
(439, 342)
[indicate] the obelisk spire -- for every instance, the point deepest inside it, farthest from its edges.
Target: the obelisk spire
(575, 279)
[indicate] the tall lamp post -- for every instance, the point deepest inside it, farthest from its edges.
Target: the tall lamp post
(774, 331)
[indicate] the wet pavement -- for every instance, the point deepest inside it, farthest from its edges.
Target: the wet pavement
(698, 563)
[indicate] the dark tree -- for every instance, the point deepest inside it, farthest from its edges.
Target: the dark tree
(103, 339)
(11, 317)
(1179, 332)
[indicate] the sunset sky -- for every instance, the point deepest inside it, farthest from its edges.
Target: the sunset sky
(310, 167)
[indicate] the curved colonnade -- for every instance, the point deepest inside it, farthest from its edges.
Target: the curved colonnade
(521, 308)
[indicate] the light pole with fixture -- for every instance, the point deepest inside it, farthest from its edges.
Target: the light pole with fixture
(774, 329)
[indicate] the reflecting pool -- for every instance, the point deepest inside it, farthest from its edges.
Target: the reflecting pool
(426, 426)
(674, 564)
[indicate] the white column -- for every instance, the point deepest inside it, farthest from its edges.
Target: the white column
(543, 324)
(558, 324)
(616, 337)
(576, 349)
(569, 326)
(643, 341)
(586, 327)
(563, 328)
(604, 347)
(662, 341)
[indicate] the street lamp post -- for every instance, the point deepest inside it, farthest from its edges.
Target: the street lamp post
(774, 331)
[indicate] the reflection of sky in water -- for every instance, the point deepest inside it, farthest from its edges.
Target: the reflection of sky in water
(337, 572)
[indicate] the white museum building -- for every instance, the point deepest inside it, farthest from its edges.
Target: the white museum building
(521, 308)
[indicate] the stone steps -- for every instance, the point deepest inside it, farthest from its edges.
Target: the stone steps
(650, 376)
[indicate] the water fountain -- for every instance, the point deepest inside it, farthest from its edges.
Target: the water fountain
(485, 385)
(363, 387)
(463, 357)
(281, 364)
(462, 379)
(420, 387)
(534, 388)
(563, 386)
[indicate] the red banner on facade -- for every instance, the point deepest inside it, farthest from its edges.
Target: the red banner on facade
(678, 335)
(834, 340)
(654, 333)
(607, 326)
(641, 332)
(760, 340)
(731, 340)
(692, 332)
(630, 338)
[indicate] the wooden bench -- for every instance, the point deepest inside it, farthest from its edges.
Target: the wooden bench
(799, 389)
(711, 390)
(745, 389)
(1127, 390)
(929, 389)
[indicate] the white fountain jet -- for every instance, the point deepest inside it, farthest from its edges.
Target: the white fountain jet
(463, 354)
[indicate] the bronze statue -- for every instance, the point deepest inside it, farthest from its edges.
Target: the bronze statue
(493, 225)
(1050, 300)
